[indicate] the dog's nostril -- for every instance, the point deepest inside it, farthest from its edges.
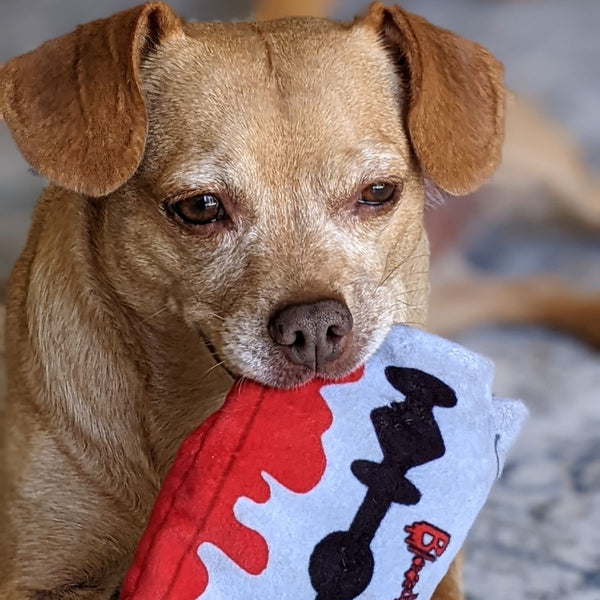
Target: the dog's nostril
(335, 332)
(300, 340)
(311, 334)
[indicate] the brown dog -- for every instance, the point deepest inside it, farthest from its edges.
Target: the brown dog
(226, 200)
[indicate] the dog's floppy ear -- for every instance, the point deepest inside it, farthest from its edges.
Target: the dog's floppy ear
(74, 105)
(455, 96)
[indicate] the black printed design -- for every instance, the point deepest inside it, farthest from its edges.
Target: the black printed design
(341, 565)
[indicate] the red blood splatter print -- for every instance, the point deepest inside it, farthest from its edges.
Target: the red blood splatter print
(258, 430)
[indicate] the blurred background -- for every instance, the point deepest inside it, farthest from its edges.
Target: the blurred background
(539, 535)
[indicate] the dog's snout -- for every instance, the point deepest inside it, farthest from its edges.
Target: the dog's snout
(312, 334)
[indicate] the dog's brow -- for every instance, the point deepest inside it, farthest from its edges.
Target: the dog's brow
(372, 159)
(205, 169)
(375, 146)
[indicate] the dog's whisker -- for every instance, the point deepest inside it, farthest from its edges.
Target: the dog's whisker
(403, 303)
(218, 308)
(412, 323)
(238, 384)
(417, 306)
(408, 305)
(155, 314)
(216, 315)
(215, 366)
(412, 291)
(399, 266)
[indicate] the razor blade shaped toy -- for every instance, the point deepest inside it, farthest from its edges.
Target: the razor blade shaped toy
(362, 488)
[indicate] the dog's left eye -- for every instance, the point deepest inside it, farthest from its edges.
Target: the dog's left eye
(378, 193)
(199, 210)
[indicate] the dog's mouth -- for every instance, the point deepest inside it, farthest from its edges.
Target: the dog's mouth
(298, 377)
(280, 372)
(287, 363)
(287, 375)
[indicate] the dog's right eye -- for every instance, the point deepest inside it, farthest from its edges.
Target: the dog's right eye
(198, 210)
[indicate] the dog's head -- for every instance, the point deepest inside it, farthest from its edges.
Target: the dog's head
(262, 184)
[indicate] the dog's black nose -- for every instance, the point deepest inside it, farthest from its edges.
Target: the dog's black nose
(312, 334)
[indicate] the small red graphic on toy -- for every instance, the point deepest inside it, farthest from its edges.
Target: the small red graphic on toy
(427, 543)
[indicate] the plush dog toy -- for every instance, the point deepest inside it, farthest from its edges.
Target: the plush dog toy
(363, 488)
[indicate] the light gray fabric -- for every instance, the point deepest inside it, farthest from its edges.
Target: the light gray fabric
(477, 433)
